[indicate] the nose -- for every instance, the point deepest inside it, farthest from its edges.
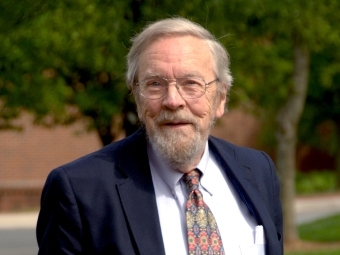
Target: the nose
(173, 98)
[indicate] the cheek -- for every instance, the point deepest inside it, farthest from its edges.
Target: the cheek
(202, 108)
(147, 109)
(216, 103)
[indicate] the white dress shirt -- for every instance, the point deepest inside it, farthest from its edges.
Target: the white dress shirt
(237, 226)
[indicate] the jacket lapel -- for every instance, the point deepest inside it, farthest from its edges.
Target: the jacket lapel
(245, 184)
(138, 196)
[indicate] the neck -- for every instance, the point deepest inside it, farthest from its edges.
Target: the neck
(187, 168)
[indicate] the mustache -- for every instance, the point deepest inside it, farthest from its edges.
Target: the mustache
(168, 116)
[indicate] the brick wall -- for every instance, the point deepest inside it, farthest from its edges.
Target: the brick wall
(30, 154)
(27, 156)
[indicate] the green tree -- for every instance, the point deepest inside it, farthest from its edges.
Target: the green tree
(65, 60)
(323, 104)
(310, 28)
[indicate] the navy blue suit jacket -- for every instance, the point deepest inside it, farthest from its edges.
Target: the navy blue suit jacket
(104, 203)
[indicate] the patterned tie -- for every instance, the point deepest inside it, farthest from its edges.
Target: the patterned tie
(203, 234)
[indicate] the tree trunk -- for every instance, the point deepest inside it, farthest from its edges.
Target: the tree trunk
(337, 155)
(105, 134)
(288, 118)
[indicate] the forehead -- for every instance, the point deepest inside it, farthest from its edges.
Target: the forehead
(176, 54)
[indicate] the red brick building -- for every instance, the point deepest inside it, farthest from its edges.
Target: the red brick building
(27, 156)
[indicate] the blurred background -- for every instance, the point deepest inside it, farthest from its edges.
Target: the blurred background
(63, 95)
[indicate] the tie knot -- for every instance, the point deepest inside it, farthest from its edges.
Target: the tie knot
(193, 179)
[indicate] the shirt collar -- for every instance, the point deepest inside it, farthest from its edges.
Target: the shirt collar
(202, 165)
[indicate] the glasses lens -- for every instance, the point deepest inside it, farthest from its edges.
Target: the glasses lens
(191, 87)
(153, 87)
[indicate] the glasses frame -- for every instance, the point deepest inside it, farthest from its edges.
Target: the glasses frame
(177, 87)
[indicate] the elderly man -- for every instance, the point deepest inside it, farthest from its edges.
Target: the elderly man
(170, 188)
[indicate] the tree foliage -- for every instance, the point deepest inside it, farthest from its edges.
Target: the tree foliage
(320, 125)
(65, 60)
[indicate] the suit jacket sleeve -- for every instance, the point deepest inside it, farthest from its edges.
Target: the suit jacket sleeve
(276, 205)
(59, 228)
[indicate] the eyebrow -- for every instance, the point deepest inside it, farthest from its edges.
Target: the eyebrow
(151, 74)
(193, 74)
(186, 74)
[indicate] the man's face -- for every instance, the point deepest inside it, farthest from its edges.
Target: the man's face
(178, 128)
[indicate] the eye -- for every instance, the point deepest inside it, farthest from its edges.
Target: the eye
(153, 83)
(190, 82)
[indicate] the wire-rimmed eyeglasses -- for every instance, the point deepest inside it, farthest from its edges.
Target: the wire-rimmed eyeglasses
(155, 87)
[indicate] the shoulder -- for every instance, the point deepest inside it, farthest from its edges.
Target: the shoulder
(257, 162)
(239, 153)
(104, 161)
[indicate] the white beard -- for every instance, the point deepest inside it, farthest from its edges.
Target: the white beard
(180, 149)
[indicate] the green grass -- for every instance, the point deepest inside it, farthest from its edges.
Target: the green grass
(323, 230)
(315, 182)
(335, 252)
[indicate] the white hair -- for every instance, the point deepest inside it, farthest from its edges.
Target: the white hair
(173, 27)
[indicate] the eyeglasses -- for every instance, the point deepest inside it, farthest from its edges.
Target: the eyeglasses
(155, 87)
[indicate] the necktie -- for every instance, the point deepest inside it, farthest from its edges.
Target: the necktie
(203, 234)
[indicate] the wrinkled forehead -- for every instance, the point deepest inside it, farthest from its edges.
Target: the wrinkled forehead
(175, 40)
(177, 50)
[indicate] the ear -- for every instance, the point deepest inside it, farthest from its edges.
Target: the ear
(220, 103)
(138, 102)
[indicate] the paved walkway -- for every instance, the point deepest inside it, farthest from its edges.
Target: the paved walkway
(18, 220)
(308, 208)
